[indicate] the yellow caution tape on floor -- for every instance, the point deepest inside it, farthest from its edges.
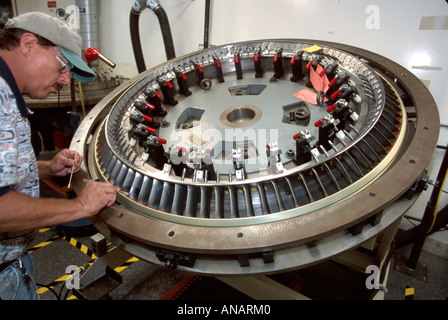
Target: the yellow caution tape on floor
(409, 293)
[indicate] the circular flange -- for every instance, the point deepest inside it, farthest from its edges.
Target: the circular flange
(279, 204)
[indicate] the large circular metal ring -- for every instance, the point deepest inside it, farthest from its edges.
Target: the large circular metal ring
(253, 175)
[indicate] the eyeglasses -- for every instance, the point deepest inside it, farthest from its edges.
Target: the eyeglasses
(64, 64)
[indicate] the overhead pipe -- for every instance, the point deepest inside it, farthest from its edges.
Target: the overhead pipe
(135, 39)
(158, 10)
(206, 24)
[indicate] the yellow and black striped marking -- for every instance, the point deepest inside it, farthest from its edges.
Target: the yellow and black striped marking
(53, 284)
(80, 246)
(84, 249)
(409, 293)
(45, 243)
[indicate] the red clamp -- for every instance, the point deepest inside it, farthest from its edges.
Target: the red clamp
(332, 82)
(157, 94)
(335, 94)
(162, 141)
(309, 64)
(150, 106)
(331, 108)
(151, 130)
(147, 118)
(168, 84)
(318, 123)
(321, 74)
(293, 60)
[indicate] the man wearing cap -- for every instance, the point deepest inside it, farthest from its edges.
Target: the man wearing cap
(38, 55)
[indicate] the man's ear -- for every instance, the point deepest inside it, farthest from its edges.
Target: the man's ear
(28, 42)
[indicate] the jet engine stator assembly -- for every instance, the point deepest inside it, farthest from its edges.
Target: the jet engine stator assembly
(258, 157)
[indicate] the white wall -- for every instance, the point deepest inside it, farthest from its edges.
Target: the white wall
(390, 28)
(186, 21)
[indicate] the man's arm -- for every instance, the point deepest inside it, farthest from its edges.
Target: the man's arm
(21, 212)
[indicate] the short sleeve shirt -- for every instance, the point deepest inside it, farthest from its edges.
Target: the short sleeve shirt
(18, 165)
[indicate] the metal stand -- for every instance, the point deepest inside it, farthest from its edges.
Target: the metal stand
(100, 278)
(411, 266)
(264, 288)
(419, 272)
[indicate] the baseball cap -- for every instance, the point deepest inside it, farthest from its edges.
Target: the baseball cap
(56, 31)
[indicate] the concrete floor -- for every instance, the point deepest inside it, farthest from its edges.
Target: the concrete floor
(436, 287)
(145, 281)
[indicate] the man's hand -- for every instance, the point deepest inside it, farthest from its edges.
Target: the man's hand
(62, 164)
(97, 195)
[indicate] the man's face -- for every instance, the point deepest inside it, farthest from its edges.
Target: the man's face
(45, 74)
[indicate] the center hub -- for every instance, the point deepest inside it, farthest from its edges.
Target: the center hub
(243, 115)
